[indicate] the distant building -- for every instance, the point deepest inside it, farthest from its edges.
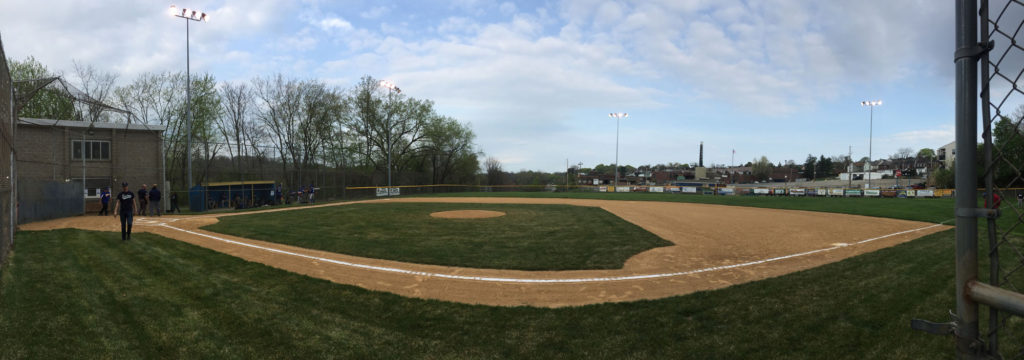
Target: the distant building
(946, 155)
(51, 150)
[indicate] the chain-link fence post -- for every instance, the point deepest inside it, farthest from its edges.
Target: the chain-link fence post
(966, 179)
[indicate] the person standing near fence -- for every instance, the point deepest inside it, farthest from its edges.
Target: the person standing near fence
(143, 200)
(125, 208)
(1020, 199)
(105, 200)
(312, 191)
(174, 203)
(154, 201)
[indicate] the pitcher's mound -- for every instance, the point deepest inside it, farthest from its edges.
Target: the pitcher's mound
(467, 214)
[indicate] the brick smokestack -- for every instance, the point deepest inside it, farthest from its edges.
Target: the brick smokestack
(700, 163)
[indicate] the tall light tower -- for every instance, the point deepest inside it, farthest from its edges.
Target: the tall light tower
(392, 89)
(617, 116)
(871, 131)
(189, 16)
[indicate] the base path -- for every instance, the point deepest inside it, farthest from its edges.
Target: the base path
(715, 246)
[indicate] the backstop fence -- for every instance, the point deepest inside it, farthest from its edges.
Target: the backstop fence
(989, 317)
(7, 163)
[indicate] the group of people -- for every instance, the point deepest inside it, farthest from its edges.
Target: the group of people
(148, 201)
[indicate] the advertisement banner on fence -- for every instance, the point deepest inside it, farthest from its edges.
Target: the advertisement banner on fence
(602, 189)
(382, 191)
(911, 193)
(780, 191)
(925, 193)
(822, 192)
(727, 191)
(656, 189)
(689, 189)
(760, 191)
(853, 192)
(872, 192)
(835, 192)
(396, 191)
(674, 189)
(622, 189)
(797, 192)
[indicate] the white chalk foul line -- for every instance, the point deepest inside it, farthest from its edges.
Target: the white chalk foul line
(541, 281)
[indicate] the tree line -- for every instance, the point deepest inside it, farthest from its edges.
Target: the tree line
(298, 131)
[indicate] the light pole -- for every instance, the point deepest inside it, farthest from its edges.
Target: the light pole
(871, 131)
(617, 116)
(391, 90)
(189, 16)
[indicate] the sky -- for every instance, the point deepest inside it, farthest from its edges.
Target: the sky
(536, 80)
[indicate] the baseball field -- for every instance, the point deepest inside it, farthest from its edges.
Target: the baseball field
(642, 276)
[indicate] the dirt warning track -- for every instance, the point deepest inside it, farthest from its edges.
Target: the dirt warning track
(715, 246)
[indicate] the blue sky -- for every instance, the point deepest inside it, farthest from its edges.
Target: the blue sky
(536, 80)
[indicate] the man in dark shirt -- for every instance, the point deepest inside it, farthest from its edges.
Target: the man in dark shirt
(174, 203)
(154, 201)
(105, 200)
(143, 200)
(125, 208)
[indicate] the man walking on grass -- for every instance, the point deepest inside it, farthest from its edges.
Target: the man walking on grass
(125, 208)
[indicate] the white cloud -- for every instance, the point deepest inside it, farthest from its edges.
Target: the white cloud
(375, 12)
(335, 23)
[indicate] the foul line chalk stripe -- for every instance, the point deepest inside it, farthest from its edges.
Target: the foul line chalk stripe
(539, 281)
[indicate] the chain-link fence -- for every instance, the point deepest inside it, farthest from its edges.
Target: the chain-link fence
(7, 175)
(1002, 156)
(988, 319)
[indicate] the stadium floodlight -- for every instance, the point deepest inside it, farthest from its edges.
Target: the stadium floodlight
(189, 16)
(390, 85)
(871, 132)
(617, 116)
(392, 88)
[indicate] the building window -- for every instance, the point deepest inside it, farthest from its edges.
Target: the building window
(94, 150)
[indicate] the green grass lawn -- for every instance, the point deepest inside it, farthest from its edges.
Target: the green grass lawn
(528, 237)
(80, 294)
(926, 209)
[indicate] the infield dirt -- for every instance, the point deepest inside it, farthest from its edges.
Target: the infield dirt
(715, 246)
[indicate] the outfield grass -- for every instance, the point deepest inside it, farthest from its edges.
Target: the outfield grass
(80, 294)
(927, 209)
(528, 237)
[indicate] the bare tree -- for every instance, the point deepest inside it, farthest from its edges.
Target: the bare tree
(97, 85)
(236, 103)
(495, 175)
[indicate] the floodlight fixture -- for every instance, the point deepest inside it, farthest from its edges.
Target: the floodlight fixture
(392, 88)
(871, 132)
(617, 116)
(189, 16)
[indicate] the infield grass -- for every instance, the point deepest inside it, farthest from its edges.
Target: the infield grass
(528, 237)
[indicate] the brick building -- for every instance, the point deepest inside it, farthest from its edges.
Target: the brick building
(51, 150)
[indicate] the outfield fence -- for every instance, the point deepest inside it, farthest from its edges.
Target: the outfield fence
(987, 322)
(243, 199)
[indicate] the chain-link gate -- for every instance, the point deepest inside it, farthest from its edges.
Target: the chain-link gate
(987, 35)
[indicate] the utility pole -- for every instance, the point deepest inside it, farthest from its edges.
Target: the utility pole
(849, 167)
